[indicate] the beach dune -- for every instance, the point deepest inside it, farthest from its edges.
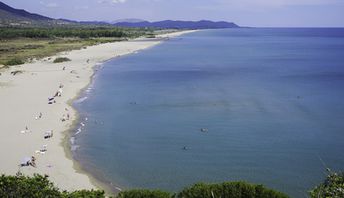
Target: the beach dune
(26, 116)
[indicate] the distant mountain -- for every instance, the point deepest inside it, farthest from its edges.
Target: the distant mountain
(169, 24)
(127, 20)
(17, 17)
(9, 12)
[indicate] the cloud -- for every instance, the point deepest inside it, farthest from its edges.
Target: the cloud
(278, 2)
(49, 4)
(81, 7)
(52, 5)
(263, 5)
(111, 1)
(119, 1)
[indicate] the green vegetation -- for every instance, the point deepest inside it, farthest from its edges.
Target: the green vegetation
(229, 189)
(14, 61)
(27, 43)
(7, 33)
(61, 59)
(150, 36)
(28, 48)
(64, 32)
(38, 186)
(144, 194)
(332, 187)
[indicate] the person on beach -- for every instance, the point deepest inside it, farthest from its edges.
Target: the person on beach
(63, 118)
(60, 92)
(33, 161)
(48, 134)
(39, 116)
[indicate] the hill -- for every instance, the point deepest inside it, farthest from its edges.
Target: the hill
(10, 16)
(169, 24)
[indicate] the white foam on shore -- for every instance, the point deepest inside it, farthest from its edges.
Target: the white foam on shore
(80, 100)
(78, 131)
(72, 140)
(74, 147)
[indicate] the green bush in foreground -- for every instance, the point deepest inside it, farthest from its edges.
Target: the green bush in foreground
(61, 59)
(332, 187)
(38, 186)
(201, 190)
(229, 190)
(14, 61)
(144, 194)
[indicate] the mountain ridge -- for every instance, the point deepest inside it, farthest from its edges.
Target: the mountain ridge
(10, 16)
(178, 24)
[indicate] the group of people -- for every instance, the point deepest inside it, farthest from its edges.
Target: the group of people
(66, 116)
(31, 161)
(58, 93)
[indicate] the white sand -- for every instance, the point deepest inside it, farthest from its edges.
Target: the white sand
(24, 96)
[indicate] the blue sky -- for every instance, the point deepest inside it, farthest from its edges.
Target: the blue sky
(257, 13)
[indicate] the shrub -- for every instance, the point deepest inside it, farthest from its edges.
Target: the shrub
(144, 194)
(333, 186)
(23, 186)
(84, 193)
(150, 36)
(38, 186)
(61, 59)
(229, 190)
(14, 61)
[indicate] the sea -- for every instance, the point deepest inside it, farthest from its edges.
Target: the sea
(262, 105)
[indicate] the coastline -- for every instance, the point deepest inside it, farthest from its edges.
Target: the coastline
(25, 95)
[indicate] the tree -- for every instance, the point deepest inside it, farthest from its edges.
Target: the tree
(38, 186)
(144, 194)
(229, 190)
(332, 187)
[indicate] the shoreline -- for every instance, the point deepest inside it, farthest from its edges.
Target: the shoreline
(24, 96)
(67, 145)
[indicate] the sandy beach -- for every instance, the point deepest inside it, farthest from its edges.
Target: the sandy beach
(26, 116)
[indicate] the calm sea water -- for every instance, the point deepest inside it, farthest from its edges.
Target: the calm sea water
(272, 101)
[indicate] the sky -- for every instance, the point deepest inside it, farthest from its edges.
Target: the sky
(254, 13)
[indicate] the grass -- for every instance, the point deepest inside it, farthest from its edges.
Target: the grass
(14, 61)
(61, 59)
(26, 49)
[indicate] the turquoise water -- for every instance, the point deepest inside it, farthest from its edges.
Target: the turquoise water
(272, 101)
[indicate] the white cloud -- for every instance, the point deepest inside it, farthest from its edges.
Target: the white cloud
(112, 1)
(119, 1)
(263, 5)
(81, 7)
(52, 5)
(278, 2)
(49, 4)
